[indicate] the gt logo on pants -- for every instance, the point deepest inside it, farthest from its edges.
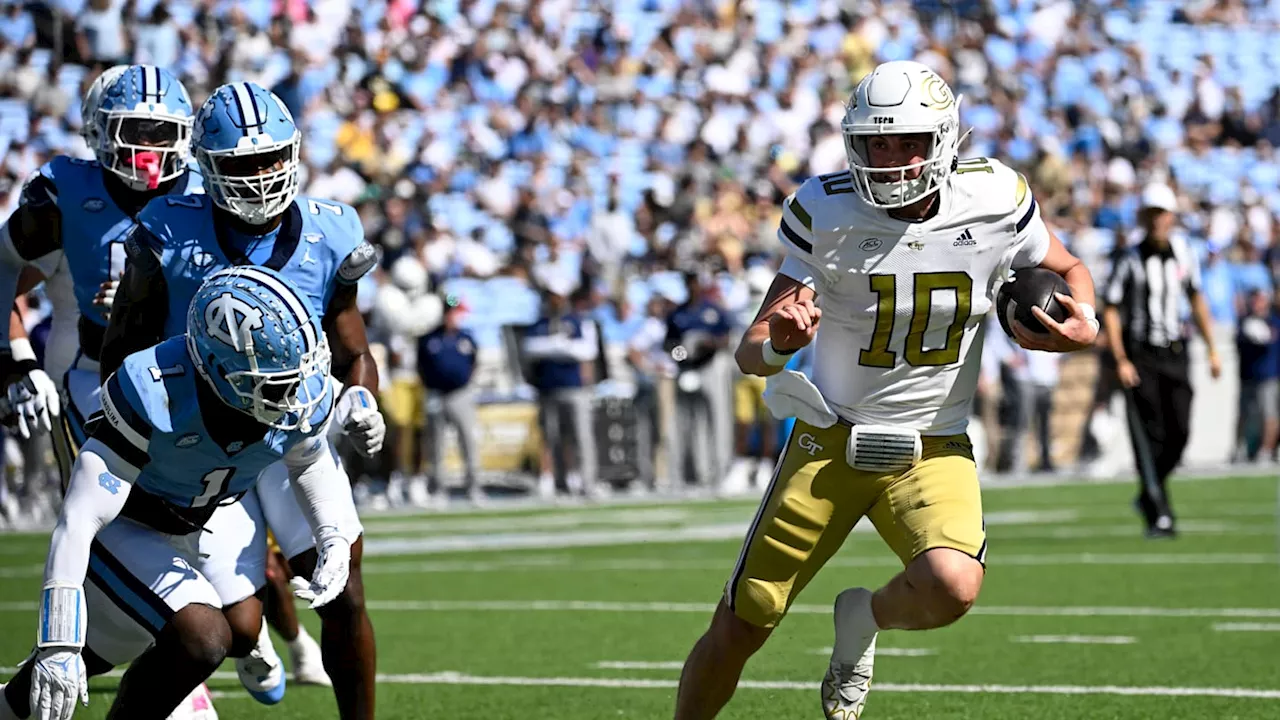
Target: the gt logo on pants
(807, 442)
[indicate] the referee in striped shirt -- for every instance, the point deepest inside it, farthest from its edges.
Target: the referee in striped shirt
(1145, 331)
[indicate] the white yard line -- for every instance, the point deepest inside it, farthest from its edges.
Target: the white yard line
(798, 609)
(638, 665)
(1246, 627)
(567, 563)
(456, 678)
(1075, 639)
(882, 651)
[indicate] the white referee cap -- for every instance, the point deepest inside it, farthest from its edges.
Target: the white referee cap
(1160, 196)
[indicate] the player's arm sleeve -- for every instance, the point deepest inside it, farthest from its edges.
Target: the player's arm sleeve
(320, 489)
(1031, 235)
(95, 496)
(357, 263)
(31, 237)
(122, 429)
(141, 305)
(795, 232)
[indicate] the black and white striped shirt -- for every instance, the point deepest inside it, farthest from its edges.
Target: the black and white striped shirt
(1147, 285)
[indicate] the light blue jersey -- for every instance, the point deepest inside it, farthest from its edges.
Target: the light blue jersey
(94, 226)
(152, 420)
(318, 245)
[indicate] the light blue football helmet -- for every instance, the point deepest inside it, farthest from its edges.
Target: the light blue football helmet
(142, 126)
(257, 340)
(248, 148)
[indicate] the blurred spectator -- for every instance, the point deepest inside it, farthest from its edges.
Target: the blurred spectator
(446, 364)
(561, 347)
(1042, 380)
(696, 331)
(651, 364)
(101, 36)
(1258, 350)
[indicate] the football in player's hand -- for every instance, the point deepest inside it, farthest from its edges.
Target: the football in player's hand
(1032, 287)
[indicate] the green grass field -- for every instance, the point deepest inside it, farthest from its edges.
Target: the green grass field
(586, 613)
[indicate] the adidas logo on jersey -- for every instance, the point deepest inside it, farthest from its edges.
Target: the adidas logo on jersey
(965, 239)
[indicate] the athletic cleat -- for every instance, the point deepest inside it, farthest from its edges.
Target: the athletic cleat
(848, 679)
(197, 706)
(307, 661)
(262, 672)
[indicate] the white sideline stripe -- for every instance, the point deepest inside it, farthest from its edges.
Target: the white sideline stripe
(733, 531)
(798, 609)
(1076, 639)
(566, 563)
(638, 665)
(886, 652)
(1246, 627)
(456, 678)
(801, 609)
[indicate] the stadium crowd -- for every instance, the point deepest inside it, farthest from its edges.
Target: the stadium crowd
(608, 176)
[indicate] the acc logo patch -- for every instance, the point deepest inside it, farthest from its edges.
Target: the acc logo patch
(188, 440)
(93, 205)
(201, 259)
(235, 447)
(870, 244)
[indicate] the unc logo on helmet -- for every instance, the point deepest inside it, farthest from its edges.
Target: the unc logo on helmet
(256, 339)
(232, 320)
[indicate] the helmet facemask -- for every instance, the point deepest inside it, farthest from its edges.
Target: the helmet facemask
(253, 183)
(894, 187)
(281, 399)
(144, 148)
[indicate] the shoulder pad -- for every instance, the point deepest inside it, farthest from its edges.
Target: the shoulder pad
(40, 191)
(796, 229)
(993, 184)
(359, 262)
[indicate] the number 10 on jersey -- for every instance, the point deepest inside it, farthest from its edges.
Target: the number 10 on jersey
(880, 354)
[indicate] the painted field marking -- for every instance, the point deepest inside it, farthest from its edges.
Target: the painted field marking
(639, 665)
(456, 678)
(1076, 639)
(886, 652)
(1246, 627)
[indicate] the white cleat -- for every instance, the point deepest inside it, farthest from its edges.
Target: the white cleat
(848, 679)
(197, 706)
(307, 661)
(262, 672)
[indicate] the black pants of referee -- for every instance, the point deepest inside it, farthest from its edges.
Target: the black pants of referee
(1159, 413)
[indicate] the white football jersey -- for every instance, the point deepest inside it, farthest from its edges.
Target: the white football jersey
(900, 340)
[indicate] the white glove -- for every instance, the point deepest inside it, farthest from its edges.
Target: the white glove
(358, 415)
(33, 402)
(58, 679)
(333, 568)
(791, 394)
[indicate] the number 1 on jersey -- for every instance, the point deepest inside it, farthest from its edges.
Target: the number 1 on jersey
(925, 285)
(214, 483)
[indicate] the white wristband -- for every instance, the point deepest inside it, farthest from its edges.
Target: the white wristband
(773, 357)
(1090, 316)
(63, 616)
(20, 349)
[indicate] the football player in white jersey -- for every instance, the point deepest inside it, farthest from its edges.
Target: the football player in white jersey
(904, 252)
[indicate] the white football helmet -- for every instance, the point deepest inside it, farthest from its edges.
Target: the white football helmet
(901, 97)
